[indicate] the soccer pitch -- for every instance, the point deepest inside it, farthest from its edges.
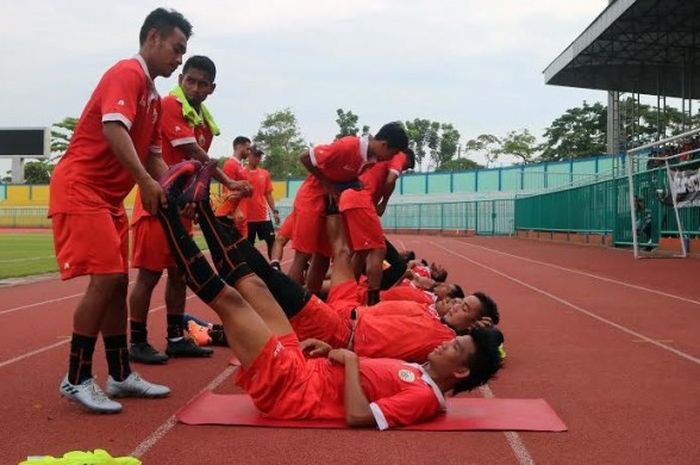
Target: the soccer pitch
(32, 253)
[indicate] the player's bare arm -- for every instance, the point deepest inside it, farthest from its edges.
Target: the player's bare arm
(357, 411)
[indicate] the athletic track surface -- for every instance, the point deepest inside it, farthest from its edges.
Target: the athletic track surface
(611, 343)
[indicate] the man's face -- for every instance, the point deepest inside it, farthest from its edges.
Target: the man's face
(167, 51)
(464, 312)
(442, 290)
(197, 85)
(243, 150)
(443, 306)
(382, 151)
(253, 160)
(450, 357)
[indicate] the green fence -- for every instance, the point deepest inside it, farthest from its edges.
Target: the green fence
(485, 217)
(604, 208)
(516, 178)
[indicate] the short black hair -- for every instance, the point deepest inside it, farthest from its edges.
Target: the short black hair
(456, 292)
(164, 21)
(410, 158)
(394, 135)
(484, 362)
(202, 63)
(256, 150)
(489, 307)
(408, 255)
(440, 276)
(240, 140)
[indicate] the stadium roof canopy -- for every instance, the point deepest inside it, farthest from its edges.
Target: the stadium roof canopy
(636, 46)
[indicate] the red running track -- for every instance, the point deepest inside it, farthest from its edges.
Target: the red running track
(611, 343)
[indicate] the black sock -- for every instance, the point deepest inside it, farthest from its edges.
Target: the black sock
(224, 242)
(176, 326)
(139, 332)
(397, 268)
(218, 336)
(80, 361)
(198, 273)
(291, 296)
(117, 357)
(372, 297)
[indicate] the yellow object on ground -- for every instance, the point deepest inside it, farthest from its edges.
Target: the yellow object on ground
(97, 457)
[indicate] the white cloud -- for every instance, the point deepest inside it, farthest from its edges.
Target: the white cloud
(473, 63)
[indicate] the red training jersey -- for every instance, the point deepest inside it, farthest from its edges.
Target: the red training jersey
(89, 178)
(257, 206)
(342, 160)
(374, 178)
(235, 172)
(399, 329)
(175, 132)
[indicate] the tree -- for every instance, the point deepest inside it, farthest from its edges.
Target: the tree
(447, 145)
(418, 134)
(61, 133)
(347, 123)
(459, 164)
(487, 145)
(579, 132)
(365, 130)
(520, 144)
(280, 138)
(38, 172)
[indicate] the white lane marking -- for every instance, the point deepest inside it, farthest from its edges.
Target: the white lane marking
(36, 304)
(58, 344)
(583, 273)
(163, 429)
(516, 443)
(34, 352)
(576, 307)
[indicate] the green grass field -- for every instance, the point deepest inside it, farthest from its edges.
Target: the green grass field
(30, 254)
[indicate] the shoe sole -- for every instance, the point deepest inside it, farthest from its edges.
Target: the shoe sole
(89, 409)
(144, 362)
(140, 396)
(191, 355)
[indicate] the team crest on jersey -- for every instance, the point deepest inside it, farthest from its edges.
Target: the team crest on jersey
(407, 375)
(178, 129)
(201, 140)
(155, 116)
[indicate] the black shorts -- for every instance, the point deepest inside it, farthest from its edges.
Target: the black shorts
(263, 229)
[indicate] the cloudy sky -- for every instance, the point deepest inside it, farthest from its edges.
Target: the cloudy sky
(475, 64)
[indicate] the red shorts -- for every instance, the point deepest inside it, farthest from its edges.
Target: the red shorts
(86, 244)
(363, 229)
(344, 297)
(310, 234)
(320, 320)
(287, 228)
(284, 385)
(150, 248)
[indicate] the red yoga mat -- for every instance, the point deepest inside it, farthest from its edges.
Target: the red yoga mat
(463, 414)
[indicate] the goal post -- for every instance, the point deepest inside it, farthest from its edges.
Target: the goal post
(672, 149)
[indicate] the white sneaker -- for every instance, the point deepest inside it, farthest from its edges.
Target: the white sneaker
(135, 386)
(89, 395)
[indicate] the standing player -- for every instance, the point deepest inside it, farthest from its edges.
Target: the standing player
(259, 223)
(359, 209)
(116, 144)
(233, 208)
(329, 166)
(187, 130)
